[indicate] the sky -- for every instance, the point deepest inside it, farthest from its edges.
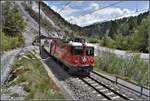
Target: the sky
(82, 12)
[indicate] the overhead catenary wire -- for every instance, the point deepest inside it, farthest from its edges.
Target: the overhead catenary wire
(103, 7)
(64, 7)
(123, 16)
(113, 4)
(117, 16)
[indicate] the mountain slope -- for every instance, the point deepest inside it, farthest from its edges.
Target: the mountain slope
(125, 26)
(129, 33)
(51, 20)
(59, 21)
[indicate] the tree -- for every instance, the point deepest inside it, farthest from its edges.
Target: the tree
(13, 20)
(124, 29)
(109, 42)
(113, 29)
(140, 37)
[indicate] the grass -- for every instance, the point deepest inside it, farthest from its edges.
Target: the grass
(15, 95)
(134, 69)
(11, 42)
(39, 86)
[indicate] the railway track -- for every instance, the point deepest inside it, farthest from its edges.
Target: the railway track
(103, 90)
(136, 89)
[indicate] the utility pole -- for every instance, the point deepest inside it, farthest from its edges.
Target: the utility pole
(39, 30)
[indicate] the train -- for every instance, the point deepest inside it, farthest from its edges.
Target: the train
(77, 55)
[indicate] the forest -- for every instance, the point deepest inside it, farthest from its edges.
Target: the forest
(130, 33)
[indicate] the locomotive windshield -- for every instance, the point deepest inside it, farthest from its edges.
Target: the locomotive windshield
(77, 50)
(89, 51)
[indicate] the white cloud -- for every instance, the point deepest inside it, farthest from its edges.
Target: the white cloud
(98, 16)
(94, 5)
(65, 12)
(56, 9)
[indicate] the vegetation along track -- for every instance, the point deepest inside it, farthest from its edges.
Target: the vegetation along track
(102, 89)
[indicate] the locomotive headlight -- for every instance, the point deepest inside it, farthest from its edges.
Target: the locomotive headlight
(92, 62)
(84, 59)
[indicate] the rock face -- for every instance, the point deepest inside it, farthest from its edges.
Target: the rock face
(35, 7)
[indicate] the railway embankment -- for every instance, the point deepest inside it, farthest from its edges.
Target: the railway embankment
(133, 69)
(28, 79)
(99, 50)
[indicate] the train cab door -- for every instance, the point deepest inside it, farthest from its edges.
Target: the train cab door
(46, 45)
(50, 46)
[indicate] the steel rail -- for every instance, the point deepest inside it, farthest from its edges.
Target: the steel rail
(124, 97)
(108, 98)
(122, 84)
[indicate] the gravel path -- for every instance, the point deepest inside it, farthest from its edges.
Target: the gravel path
(6, 61)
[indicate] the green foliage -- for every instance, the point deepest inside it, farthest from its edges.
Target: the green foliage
(13, 24)
(15, 95)
(113, 28)
(39, 85)
(92, 39)
(129, 33)
(124, 29)
(140, 37)
(134, 69)
(109, 42)
(11, 42)
(13, 21)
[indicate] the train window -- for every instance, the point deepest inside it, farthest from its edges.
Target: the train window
(46, 43)
(89, 51)
(77, 50)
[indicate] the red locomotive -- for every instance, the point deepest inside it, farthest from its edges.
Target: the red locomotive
(77, 56)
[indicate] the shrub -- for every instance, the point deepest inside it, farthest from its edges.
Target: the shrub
(11, 42)
(109, 42)
(133, 69)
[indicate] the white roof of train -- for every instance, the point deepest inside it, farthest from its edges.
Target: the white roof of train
(80, 44)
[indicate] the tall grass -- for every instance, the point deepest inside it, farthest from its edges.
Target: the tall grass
(134, 69)
(11, 42)
(39, 86)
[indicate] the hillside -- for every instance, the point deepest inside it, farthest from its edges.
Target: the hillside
(125, 26)
(130, 33)
(59, 21)
(50, 19)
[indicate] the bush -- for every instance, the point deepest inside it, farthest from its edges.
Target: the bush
(133, 69)
(11, 42)
(109, 42)
(13, 20)
(36, 78)
(92, 40)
